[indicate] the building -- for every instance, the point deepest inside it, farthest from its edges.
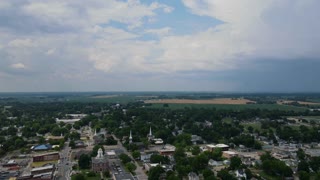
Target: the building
(167, 150)
(223, 147)
(10, 163)
(42, 170)
(111, 154)
(158, 141)
(193, 176)
(46, 157)
(41, 147)
(99, 163)
(229, 154)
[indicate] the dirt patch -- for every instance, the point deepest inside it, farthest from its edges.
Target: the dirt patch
(204, 101)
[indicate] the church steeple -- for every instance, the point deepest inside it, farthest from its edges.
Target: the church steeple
(150, 136)
(130, 137)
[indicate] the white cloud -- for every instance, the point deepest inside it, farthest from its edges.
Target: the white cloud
(159, 32)
(252, 29)
(21, 43)
(18, 66)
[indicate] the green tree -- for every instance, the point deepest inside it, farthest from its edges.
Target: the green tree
(72, 144)
(195, 150)
(155, 173)
(304, 175)
(301, 154)
(207, 173)
(224, 175)
(78, 177)
(235, 163)
(124, 158)
(136, 154)
(84, 161)
(303, 166)
(131, 167)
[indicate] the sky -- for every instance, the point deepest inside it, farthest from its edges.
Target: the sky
(167, 45)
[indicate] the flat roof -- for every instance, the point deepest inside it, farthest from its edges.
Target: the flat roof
(111, 153)
(44, 154)
(42, 168)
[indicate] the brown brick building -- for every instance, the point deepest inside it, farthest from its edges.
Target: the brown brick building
(46, 157)
(100, 163)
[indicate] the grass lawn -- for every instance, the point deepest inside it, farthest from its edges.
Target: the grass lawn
(255, 125)
(85, 172)
(264, 175)
(39, 164)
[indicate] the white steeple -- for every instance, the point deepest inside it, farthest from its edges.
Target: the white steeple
(95, 132)
(150, 132)
(130, 137)
(100, 154)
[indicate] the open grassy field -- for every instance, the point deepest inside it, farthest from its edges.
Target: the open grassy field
(121, 99)
(232, 106)
(40, 164)
(201, 101)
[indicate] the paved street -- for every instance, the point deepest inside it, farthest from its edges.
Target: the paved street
(140, 174)
(65, 166)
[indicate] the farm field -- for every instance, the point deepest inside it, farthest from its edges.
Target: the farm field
(202, 101)
(300, 102)
(231, 106)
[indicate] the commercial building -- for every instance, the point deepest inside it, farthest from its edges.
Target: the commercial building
(46, 157)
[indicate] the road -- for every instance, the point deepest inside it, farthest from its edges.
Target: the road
(140, 174)
(65, 166)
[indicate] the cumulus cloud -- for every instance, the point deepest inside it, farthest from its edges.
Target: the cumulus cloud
(63, 38)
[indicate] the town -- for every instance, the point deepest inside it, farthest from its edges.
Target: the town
(62, 139)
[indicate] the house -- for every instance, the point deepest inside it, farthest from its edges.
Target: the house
(240, 174)
(223, 147)
(193, 176)
(229, 154)
(215, 163)
(196, 139)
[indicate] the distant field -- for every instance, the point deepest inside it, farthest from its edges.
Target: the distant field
(232, 106)
(202, 101)
(123, 99)
(105, 96)
(300, 102)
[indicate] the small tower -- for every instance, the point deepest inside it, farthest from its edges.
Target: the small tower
(95, 132)
(100, 154)
(130, 138)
